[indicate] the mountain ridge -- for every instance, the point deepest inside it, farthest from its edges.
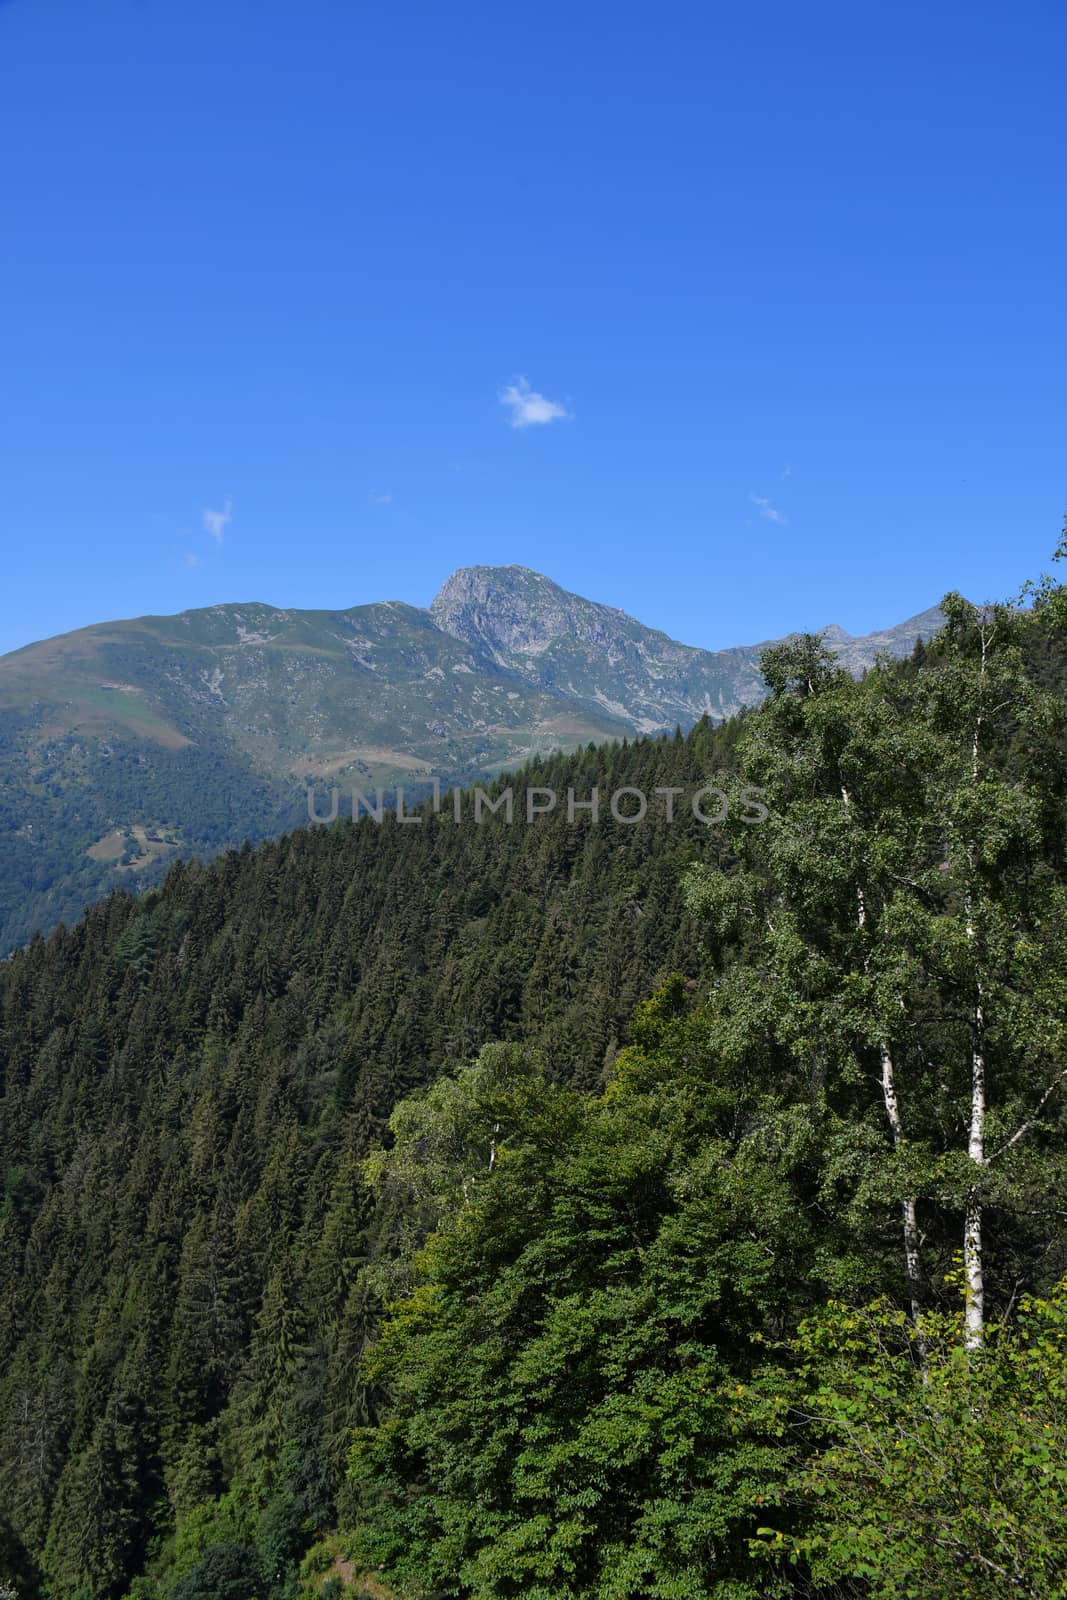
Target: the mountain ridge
(498, 609)
(125, 743)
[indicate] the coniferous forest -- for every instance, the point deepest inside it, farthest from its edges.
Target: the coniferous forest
(570, 1210)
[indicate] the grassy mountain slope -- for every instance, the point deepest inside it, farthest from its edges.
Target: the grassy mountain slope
(124, 744)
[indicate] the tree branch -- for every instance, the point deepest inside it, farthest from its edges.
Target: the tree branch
(1030, 1121)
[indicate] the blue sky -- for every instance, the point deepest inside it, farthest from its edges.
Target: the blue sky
(778, 290)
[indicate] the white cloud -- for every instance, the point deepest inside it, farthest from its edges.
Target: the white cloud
(787, 471)
(767, 510)
(191, 560)
(527, 407)
(215, 522)
(381, 499)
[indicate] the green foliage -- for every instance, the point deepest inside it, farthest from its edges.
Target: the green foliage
(900, 911)
(934, 1476)
(224, 1572)
(227, 1522)
(565, 1376)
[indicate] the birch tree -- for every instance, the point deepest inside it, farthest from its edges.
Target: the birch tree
(1002, 827)
(899, 916)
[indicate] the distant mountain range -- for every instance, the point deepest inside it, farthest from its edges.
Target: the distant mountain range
(125, 743)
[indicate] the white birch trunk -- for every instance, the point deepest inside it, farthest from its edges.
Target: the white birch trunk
(909, 1213)
(973, 1270)
(908, 1209)
(973, 1266)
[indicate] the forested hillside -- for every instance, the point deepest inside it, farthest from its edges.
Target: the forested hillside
(189, 1082)
(570, 1209)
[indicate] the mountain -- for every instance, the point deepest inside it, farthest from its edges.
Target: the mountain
(126, 743)
(604, 661)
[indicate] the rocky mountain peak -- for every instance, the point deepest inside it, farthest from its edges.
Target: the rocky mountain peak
(514, 611)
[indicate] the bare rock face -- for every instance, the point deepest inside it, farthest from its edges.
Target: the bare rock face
(516, 612)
